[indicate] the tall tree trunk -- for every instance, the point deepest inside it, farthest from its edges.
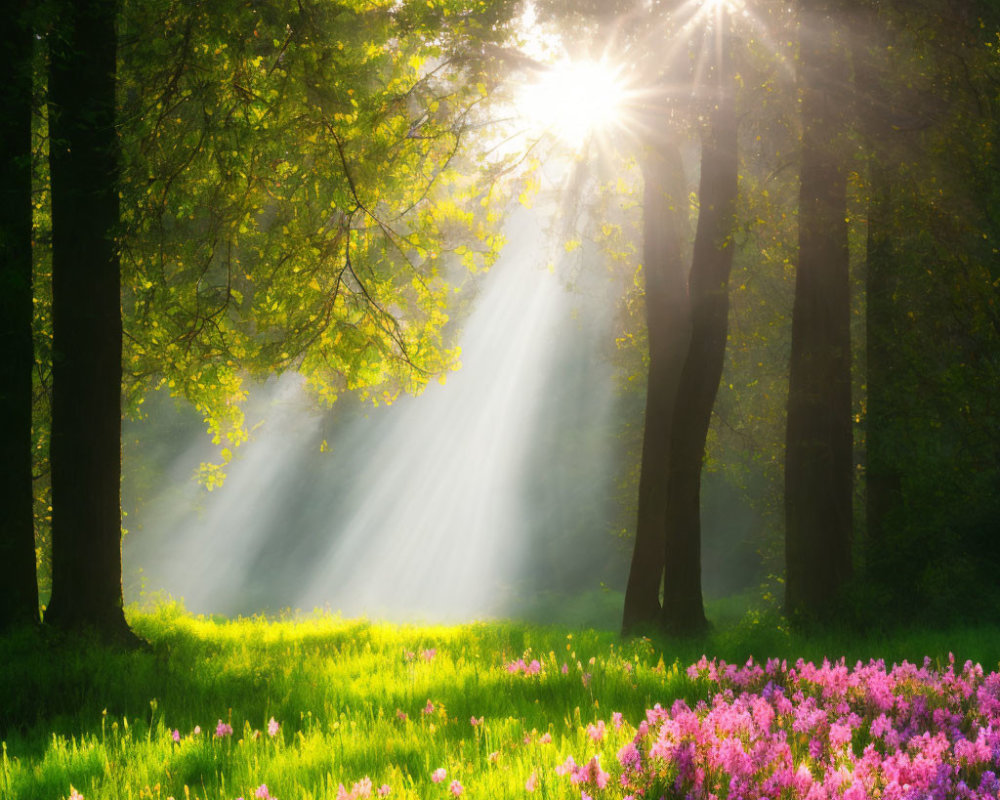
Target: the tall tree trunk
(668, 330)
(708, 288)
(818, 448)
(86, 322)
(18, 581)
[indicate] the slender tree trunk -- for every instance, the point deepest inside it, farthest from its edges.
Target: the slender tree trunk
(86, 321)
(683, 608)
(667, 324)
(18, 581)
(818, 449)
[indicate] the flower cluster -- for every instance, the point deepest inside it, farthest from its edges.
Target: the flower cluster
(519, 667)
(823, 732)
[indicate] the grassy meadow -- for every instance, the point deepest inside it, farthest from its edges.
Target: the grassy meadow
(326, 708)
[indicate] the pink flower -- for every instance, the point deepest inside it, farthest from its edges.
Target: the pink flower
(475, 722)
(533, 668)
(532, 782)
(223, 729)
(565, 669)
(455, 788)
(546, 738)
(343, 794)
(401, 715)
(616, 719)
(175, 735)
(197, 730)
(567, 767)
(74, 794)
(596, 732)
(262, 793)
(429, 708)
(362, 788)
(273, 727)
(438, 775)
(384, 790)
(428, 655)
(494, 757)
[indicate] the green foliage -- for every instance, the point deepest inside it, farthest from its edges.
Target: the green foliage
(937, 425)
(293, 186)
(297, 189)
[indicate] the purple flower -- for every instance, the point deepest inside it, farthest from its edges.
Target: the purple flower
(223, 729)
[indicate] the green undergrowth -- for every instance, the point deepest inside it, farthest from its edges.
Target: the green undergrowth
(76, 714)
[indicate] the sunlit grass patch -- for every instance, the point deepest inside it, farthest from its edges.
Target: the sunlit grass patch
(363, 706)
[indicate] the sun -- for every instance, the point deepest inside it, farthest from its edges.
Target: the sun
(573, 100)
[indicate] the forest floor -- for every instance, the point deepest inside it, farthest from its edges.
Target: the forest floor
(331, 708)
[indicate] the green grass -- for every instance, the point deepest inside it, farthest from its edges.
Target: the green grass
(101, 721)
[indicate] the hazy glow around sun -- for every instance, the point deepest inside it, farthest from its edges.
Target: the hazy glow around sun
(572, 100)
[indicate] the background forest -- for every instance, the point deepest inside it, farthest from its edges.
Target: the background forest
(483, 398)
(775, 250)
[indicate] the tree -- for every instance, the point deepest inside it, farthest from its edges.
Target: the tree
(287, 213)
(818, 454)
(18, 584)
(295, 194)
(708, 292)
(667, 327)
(86, 320)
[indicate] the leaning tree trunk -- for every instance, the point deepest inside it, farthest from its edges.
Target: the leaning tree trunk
(818, 448)
(708, 287)
(18, 581)
(667, 325)
(86, 323)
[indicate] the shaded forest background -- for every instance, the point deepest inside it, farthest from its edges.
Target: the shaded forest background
(300, 186)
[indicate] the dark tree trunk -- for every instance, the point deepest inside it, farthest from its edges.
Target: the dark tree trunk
(18, 581)
(708, 288)
(818, 448)
(86, 322)
(667, 323)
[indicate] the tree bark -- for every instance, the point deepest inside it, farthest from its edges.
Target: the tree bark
(86, 322)
(668, 331)
(683, 609)
(18, 580)
(818, 449)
